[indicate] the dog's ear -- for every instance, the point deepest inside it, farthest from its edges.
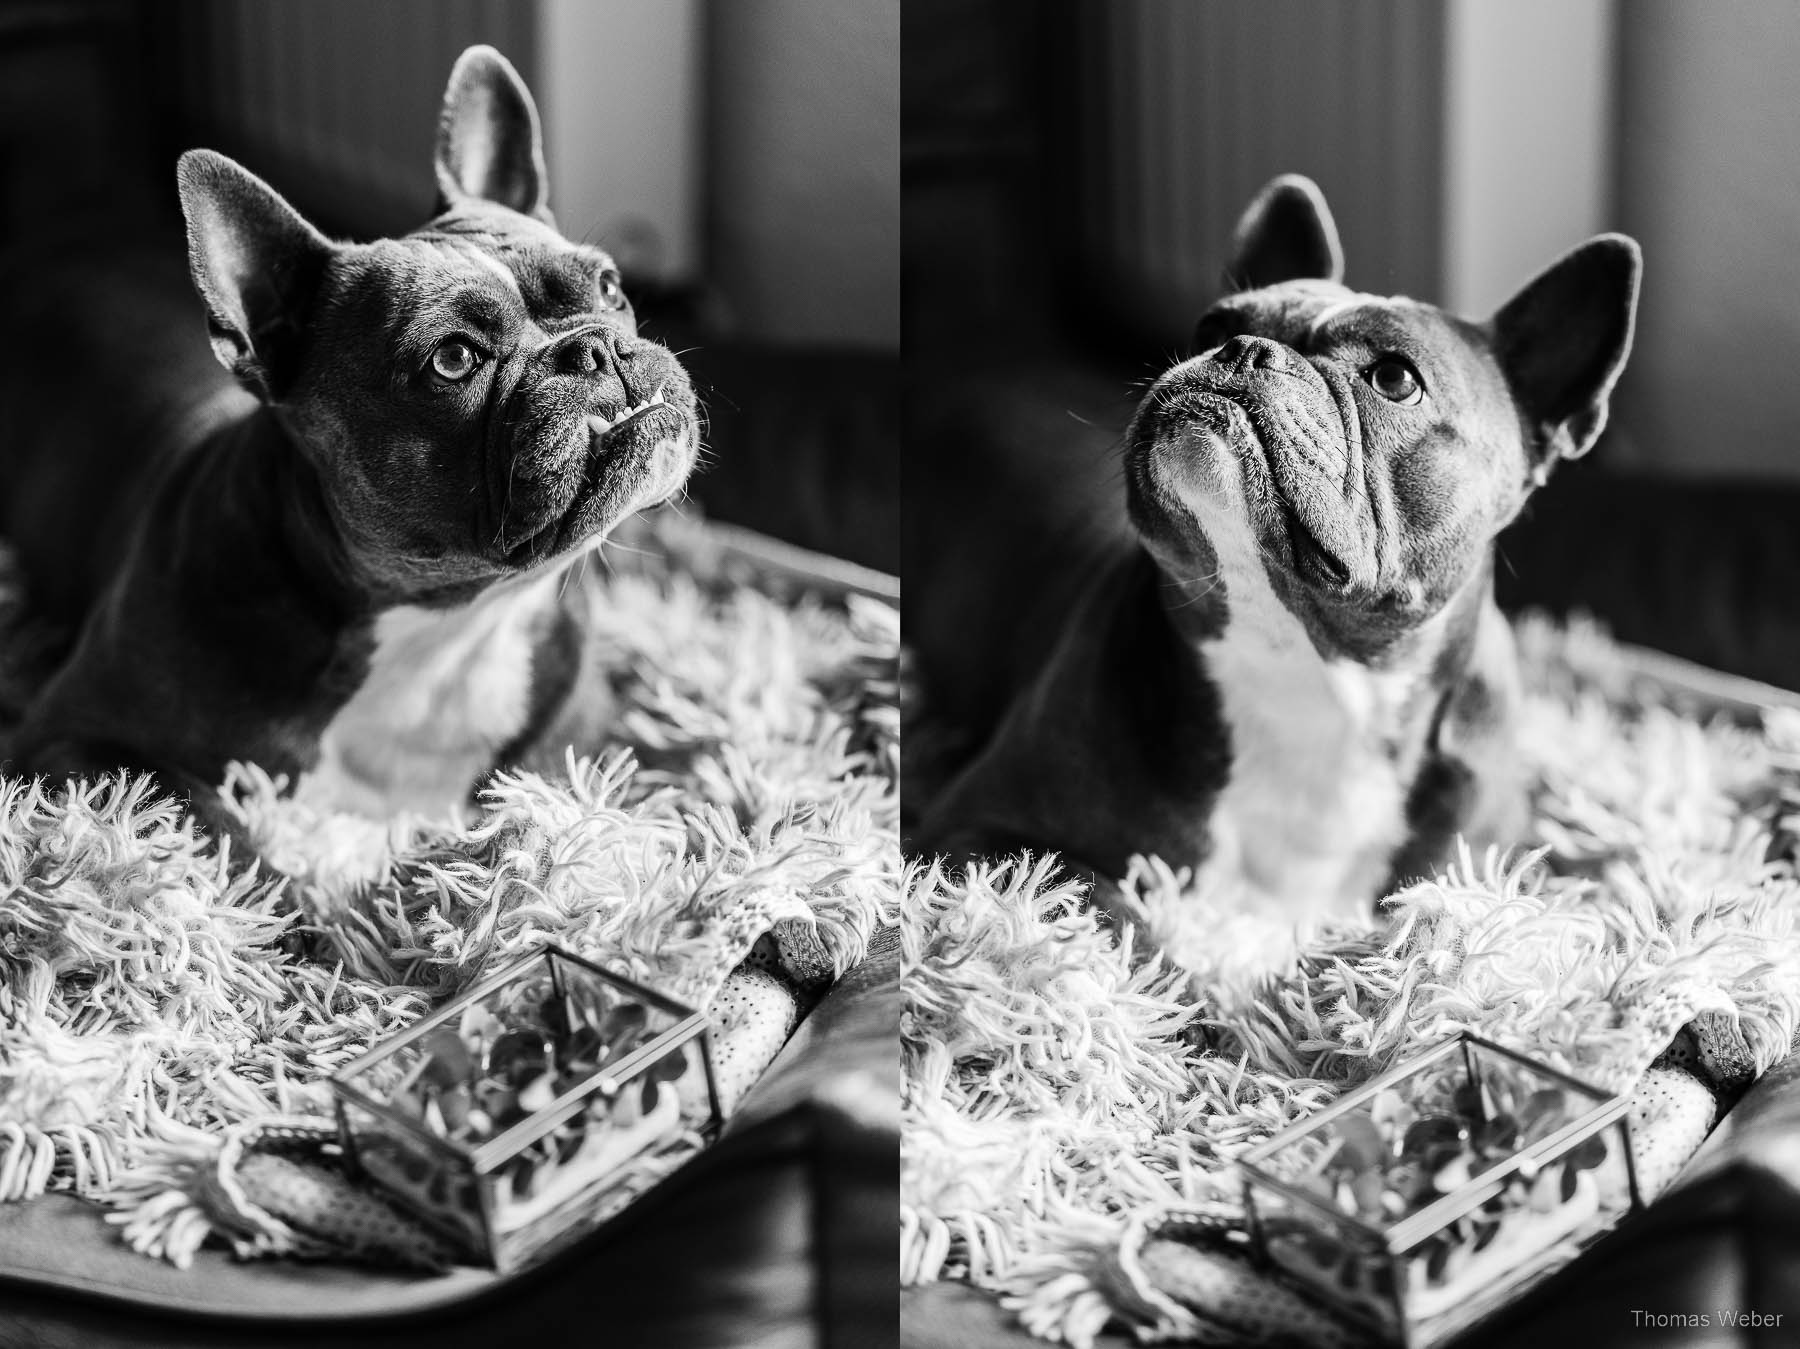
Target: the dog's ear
(256, 263)
(1563, 339)
(1285, 234)
(488, 143)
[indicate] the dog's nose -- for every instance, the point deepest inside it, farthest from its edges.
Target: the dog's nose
(1252, 353)
(582, 353)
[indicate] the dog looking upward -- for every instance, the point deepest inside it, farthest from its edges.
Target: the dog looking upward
(332, 539)
(1277, 659)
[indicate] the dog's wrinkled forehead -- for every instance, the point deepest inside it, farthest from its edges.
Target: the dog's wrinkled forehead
(1284, 312)
(514, 256)
(1335, 326)
(489, 283)
(1309, 315)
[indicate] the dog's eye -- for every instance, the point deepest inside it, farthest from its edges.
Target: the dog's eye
(454, 360)
(612, 294)
(1395, 380)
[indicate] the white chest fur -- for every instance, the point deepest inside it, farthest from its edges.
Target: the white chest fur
(446, 690)
(1315, 807)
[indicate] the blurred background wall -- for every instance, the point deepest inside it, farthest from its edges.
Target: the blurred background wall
(1709, 182)
(828, 112)
(738, 157)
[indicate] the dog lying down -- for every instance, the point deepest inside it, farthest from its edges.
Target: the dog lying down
(1280, 663)
(344, 560)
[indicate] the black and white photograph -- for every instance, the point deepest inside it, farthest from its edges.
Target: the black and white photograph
(449, 852)
(1351, 535)
(1153, 645)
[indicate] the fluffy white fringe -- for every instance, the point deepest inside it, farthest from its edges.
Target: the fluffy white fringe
(1062, 1076)
(154, 994)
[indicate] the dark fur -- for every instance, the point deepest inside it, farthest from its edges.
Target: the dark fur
(222, 543)
(1374, 522)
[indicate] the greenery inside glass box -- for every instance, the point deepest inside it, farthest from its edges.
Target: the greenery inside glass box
(1422, 1200)
(533, 1107)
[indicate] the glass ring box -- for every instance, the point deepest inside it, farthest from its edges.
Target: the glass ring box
(533, 1107)
(1421, 1201)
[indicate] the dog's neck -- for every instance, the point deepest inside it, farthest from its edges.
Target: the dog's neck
(443, 683)
(266, 495)
(447, 691)
(1324, 748)
(243, 518)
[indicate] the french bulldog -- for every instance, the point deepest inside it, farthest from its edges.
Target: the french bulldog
(345, 555)
(1283, 666)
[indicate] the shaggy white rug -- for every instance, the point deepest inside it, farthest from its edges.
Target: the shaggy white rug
(159, 998)
(1075, 1093)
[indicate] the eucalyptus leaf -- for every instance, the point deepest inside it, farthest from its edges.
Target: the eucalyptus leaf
(449, 1061)
(1587, 1154)
(1363, 1146)
(1543, 1113)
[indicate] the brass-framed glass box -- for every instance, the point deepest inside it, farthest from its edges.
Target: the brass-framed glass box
(531, 1108)
(1422, 1200)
